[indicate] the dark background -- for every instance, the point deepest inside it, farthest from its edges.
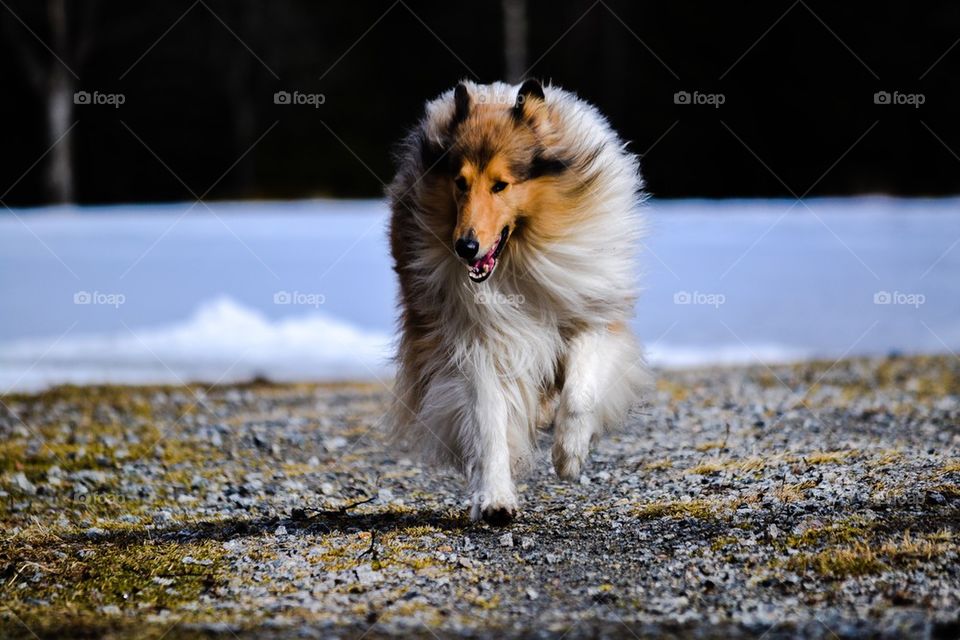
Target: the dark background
(798, 80)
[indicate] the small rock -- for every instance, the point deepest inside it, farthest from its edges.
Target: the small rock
(21, 482)
(526, 542)
(936, 497)
(506, 540)
(532, 594)
(366, 575)
(280, 531)
(332, 444)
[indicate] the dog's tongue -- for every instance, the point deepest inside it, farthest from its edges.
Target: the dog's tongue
(485, 262)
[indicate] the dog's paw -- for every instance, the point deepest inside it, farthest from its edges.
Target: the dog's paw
(500, 516)
(496, 509)
(568, 459)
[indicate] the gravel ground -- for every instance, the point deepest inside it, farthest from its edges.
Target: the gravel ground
(817, 500)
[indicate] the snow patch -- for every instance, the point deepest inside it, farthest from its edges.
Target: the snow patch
(222, 341)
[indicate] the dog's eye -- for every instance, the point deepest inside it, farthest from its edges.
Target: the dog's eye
(499, 186)
(461, 183)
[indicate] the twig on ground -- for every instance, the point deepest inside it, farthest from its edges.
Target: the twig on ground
(342, 509)
(372, 549)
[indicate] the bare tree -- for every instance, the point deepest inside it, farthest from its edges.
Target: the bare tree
(49, 66)
(515, 39)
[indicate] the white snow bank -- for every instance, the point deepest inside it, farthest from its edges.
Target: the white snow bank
(222, 341)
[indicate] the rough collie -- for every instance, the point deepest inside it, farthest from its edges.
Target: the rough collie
(515, 221)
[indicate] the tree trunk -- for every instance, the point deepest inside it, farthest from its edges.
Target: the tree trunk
(59, 98)
(515, 39)
(59, 104)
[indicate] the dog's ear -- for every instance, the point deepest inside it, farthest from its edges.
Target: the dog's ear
(531, 92)
(461, 105)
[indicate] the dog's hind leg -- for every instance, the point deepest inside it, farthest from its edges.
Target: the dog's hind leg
(604, 374)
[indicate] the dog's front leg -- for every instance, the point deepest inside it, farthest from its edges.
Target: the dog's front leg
(487, 455)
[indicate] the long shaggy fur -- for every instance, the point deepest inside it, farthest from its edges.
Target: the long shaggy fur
(483, 366)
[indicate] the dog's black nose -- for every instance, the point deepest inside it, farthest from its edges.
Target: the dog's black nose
(467, 247)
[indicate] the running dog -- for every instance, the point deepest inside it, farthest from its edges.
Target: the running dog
(514, 230)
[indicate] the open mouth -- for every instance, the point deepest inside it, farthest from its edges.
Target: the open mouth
(482, 268)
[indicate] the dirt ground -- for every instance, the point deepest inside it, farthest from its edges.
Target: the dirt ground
(817, 500)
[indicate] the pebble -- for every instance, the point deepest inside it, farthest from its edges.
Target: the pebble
(23, 484)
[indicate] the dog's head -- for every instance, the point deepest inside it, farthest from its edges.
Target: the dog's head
(499, 170)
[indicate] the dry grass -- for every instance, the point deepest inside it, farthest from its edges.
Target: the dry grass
(856, 560)
(888, 457)
(677, 392)
(709, 446)
(743, 465)
(861, 558)
(949, 490)
(843, 531)
(677, 509)
(794, 492)
(828, 457)
(658, 465)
